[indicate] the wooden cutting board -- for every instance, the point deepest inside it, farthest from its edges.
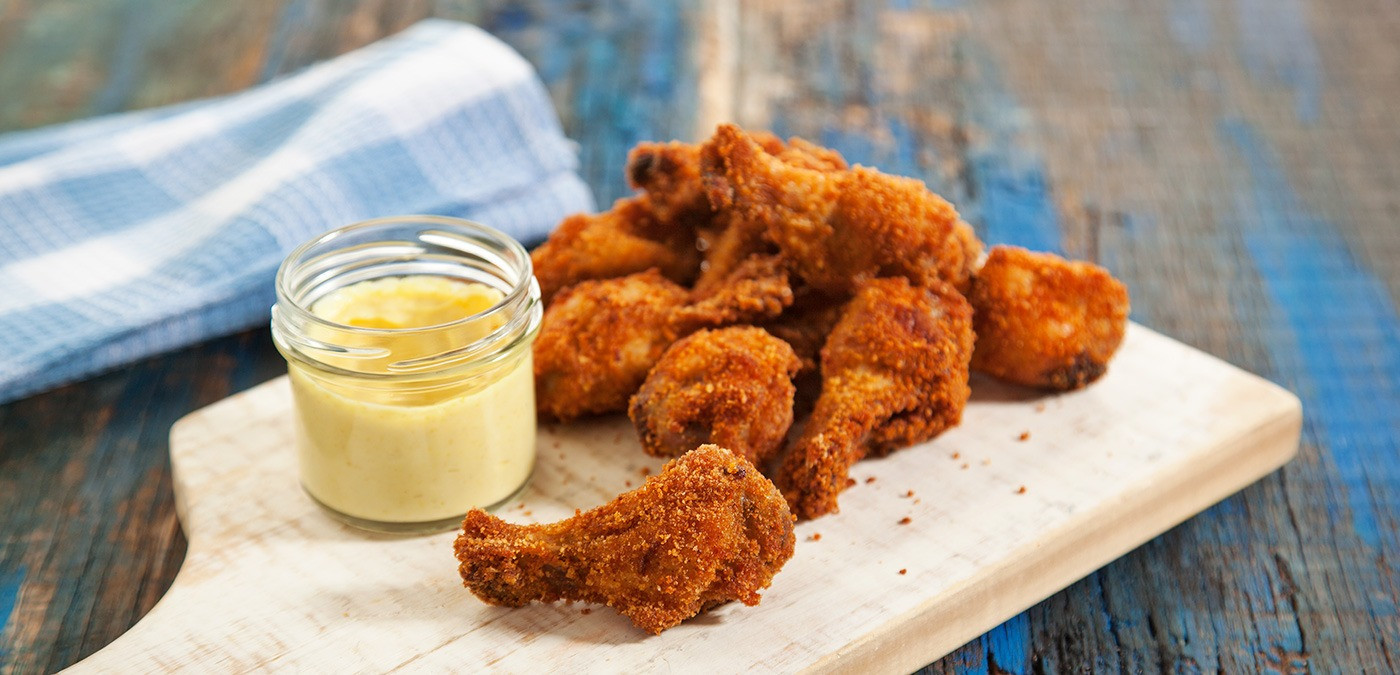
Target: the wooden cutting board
(995, 524)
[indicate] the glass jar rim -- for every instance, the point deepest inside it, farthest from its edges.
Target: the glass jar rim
(464, 240)
(518, 289)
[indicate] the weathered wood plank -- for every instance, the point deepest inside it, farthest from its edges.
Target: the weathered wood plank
(1234, 162)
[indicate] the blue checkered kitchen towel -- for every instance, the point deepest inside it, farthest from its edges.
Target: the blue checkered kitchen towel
(125, 236)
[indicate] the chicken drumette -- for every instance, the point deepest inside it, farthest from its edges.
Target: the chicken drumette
(1043, 321)
(707, 530)
(599, 338)
(839, 228)
(894, 373)
(731, 386)
(631, 237)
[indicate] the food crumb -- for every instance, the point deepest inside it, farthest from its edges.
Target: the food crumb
(904, 571)
(585, 610)
(987, 462)
(957, 455)
(521, 505)
(850, 482)
(870, 480)
(816, 536)
(1021, 490)
(909, 493)
(628, 483)
(905, 520)
(646, 471)
(1025, 436)
(916, 501)
(1040, 407)
(965, 465)
(528, 513)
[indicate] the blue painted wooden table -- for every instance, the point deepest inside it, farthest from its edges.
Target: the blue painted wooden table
(1236, 162)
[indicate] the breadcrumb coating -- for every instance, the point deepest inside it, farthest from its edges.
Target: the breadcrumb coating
(1043, 321)
(598, 339)
(731, 387)
(631, 237)
(838, 228)
(707, 530)
(894, 373)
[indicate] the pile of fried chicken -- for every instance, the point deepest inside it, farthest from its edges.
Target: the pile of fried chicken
(753, 281)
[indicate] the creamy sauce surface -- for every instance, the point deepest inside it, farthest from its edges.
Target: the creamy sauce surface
(409, 454)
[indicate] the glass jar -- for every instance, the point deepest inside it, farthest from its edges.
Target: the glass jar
(407, 429)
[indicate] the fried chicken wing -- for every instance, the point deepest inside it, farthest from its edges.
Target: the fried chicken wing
(707, 530)
(598, 339)
(895, 372)
(671, 176)
(838, 228)
(1043, 321)
(630, 237)
(731, 387)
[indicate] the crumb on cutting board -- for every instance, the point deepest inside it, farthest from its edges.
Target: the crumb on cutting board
(1021, 490)
(905, 520)
(815, 536)
(904, 571)
(1025, 436)
(870, 480)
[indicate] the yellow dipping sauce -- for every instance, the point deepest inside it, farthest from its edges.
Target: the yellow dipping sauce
(424, 450)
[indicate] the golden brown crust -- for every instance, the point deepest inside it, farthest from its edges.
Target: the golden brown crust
(894, 371)
(1043, 321)
(707, 530)
(628, 238)
(837, 228)
(597, 341)
(731, 387)
(669, 173)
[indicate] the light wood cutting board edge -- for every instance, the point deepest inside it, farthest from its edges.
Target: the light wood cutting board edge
(1090, 541)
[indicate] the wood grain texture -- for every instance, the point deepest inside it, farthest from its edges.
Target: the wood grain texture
(935, 544)
(1235, 162)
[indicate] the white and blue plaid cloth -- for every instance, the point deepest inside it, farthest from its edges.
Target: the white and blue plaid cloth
(125, 236)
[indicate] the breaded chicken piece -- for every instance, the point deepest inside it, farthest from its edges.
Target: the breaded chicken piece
(895, 372)
(670, 175)
(598, 339)
(838, 229)
(805, 326)
(707, 530)
(758, 288)
(630, 237)
(1043, 321)
(731, 387)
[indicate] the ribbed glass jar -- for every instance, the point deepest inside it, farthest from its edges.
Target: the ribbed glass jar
(406, 429)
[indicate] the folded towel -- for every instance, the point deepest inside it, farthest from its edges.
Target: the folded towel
(125, 236)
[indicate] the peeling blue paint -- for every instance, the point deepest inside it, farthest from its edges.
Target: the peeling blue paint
(296, 12)
(1009, 196)
(126, 66)
(1191, 25)
(9, 596)
(1332, 329)
(1276, 46)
